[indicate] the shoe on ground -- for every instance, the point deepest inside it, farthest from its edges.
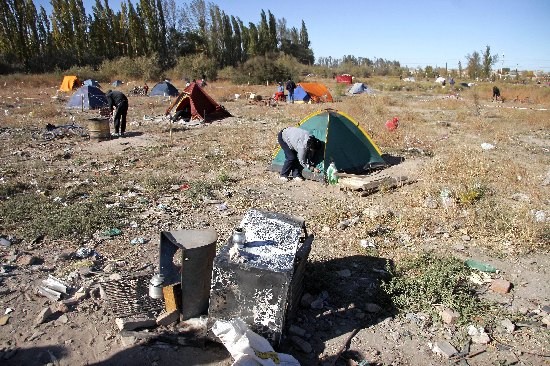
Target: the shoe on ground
(122, 134)
(115, 135)
(283, 178)
(298, 179)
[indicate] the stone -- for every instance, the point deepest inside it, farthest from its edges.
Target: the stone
(27, 260)
(317, 303)
(508, 325)
(135, 323)
(546, 321)
(168, 318)
(449, 316)
(481, 338)
(344, 273)
(63, 319)
(128, 341)
(372, 308)
(444, 348)
(115, 277)
(296, 330)
(61, 307)
(545, 309)
(4, 320)
(500, 286)
(42, 316)
(302, 345)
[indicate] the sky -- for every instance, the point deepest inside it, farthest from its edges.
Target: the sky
(415, 33)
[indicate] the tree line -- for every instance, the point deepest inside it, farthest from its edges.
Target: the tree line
(33, 41)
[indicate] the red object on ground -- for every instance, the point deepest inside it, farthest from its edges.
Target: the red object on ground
(392, 124)
(344, 78)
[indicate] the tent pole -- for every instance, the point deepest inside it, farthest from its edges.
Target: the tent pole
(170, 130)
(82, 102)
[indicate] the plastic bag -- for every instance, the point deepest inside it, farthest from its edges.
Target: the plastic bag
(248, 348)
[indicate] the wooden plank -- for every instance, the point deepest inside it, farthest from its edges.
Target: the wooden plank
(386, 183)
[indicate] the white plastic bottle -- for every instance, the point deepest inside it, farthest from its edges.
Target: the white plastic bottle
(332, 178)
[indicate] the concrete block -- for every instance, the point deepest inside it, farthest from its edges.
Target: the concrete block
(168, 318)
(135, 323)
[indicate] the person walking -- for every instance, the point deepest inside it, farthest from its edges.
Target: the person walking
(299, 147)
(290, 86)
(119, 101)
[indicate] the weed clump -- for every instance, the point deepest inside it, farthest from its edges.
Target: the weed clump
(420, 283)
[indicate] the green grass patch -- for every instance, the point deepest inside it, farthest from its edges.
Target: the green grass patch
(420, 283)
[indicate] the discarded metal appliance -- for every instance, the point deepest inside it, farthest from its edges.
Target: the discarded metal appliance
(262, 281)
(186, 258)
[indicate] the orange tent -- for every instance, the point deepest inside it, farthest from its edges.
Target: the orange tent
(69, 83)
(318, 92)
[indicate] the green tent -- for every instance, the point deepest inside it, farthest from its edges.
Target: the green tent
(346, 145)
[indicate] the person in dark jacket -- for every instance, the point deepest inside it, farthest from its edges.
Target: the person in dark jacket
(299, 147)
(119, 101)
(290, 86)
(496, 94)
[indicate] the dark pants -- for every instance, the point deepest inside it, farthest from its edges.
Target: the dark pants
(291, 166)
(120, 117)
(291, 96)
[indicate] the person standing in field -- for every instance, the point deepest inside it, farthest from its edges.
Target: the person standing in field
(290, 86)
(117, 100)
(496, 94)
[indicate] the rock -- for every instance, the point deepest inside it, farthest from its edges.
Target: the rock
(4, 320)
(520, 197)
(296, 330)
(545, 309)
(482, 338)
(9, 354)
(306, 300)
(63, 319)
(466, 237)
(61, 307)
(546, 321)
(134, 323)
(449, 316)
(168, 318)
(372, 308)
(128, 341)
(27, 260)
(301, 344)
(508, 325)
(344, 273)
(317, 303)
(42, 316)
(115, 277)
(500, 286)
(444, 348)
(5, 243)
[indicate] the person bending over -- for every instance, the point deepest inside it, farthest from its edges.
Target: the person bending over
(299, 147)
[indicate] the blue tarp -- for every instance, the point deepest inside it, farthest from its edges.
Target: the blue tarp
(88, 97)
(164, 89)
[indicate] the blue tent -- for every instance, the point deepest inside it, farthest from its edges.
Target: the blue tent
(88, 97)
(117, 83)
(91, 82)
(300, 95)
(164, 89)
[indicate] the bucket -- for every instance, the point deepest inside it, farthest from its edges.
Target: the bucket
(99, 129)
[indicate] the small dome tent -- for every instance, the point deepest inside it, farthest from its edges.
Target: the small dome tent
(87, 97)
(346, 145)
(164, 89)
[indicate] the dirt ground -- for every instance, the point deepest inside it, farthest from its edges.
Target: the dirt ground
(352, 325)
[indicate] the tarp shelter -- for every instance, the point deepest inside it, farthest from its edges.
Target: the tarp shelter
(359, 88)
(70, 82)
(88, 97)
(91, 82)
(346, 145)
(116, 83)
(201, 105)
(317, 92)
(164, 89)
(344, 78)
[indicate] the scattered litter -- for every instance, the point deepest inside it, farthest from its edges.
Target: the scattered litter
(5, 242)
(480, 278)
(248, 348)
(222, 207)
(139, 240)
(392, 124)
(368, 243)
(8, 311)
(55, 284)
(486, 146)
(480, 266)
(112, 232)
(84, 252)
